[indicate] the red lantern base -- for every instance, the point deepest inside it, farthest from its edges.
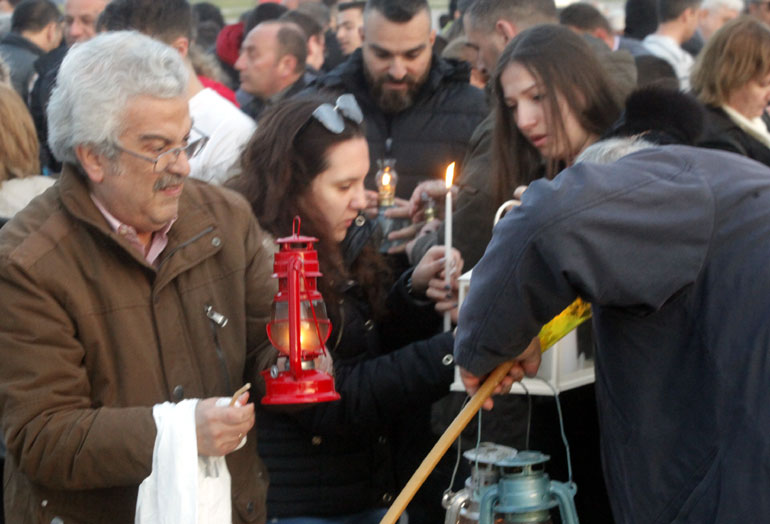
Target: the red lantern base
(309, 387)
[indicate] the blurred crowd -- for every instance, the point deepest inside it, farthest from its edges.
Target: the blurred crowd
(111, 259)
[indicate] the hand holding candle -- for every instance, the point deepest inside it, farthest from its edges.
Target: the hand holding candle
(448, 239)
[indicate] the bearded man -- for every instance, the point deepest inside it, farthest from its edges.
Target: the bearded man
(422, 103)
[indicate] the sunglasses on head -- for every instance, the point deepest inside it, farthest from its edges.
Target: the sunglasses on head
(332, 117)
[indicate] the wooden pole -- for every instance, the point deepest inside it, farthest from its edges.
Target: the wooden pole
(574, 315)
(444, 442)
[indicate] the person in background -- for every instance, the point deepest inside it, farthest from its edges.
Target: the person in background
(227, 47)
(344, 461)
(261, 13)
(489, 26)
(35, 30)
(678, 20)
(227, 129)
(732, 78)
(6, 10)
(759, 9)
(653, 70)
(641, 18)
(715, 14)
(326, 41)
(314, 34)
(20, 179)
(350, 24)
(583, 18)
(106, 282)
(80, 18)
(421, 107)
(712, 15)
(459, 49)
(209, 21)
(272, 64)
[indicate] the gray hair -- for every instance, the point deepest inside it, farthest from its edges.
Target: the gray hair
(613, 149)
(96, 80)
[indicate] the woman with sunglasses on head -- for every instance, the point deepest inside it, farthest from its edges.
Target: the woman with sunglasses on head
(337, 461)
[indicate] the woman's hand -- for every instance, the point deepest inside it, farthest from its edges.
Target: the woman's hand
(430, 189)
(431, 267)
(429, 278)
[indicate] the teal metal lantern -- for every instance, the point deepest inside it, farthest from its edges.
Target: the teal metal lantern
(525, 493)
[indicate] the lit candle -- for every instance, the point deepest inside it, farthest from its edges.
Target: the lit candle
(448, 238)
(386, 179)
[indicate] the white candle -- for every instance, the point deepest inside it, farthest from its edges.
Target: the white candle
(448, 238)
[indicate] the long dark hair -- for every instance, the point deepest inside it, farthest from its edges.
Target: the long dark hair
(563, 64)
(288, 150)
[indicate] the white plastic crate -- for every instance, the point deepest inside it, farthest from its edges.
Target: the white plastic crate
(561, 366)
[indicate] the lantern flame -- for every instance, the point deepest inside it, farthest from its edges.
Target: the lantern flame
(450, 171)
(385, 179)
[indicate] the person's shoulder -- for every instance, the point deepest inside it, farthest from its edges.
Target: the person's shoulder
(347, 75)
(452, 77)
(633, 46)
(214, 196)
(227, 207)
(720, 132)
(210, 110)
(36, 230)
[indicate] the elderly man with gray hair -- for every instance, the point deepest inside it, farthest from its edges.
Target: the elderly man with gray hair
(132, 297)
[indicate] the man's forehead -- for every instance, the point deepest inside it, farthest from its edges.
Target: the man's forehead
(396, 37)
(149, 117)
(480, 39)
(263, 36)
(351, 14)
(84, 7)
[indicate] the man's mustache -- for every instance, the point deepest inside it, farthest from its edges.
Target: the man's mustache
(168, 180)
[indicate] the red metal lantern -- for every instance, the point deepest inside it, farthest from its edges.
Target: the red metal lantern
(299, 326)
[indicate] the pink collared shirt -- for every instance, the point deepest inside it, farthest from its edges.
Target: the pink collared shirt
(159, 238)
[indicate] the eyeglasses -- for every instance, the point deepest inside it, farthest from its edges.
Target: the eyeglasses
(331, 116)
(161, 162)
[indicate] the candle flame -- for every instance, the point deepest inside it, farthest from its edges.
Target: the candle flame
(450, 171)
(386, 179)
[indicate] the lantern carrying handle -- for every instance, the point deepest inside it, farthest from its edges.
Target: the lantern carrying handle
(315, 319)
(295, 225)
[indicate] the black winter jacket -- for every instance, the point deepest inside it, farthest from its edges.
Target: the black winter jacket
(339, 457)
(722, 133)
(427, 136)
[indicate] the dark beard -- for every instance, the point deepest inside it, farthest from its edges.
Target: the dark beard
(394, 101)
